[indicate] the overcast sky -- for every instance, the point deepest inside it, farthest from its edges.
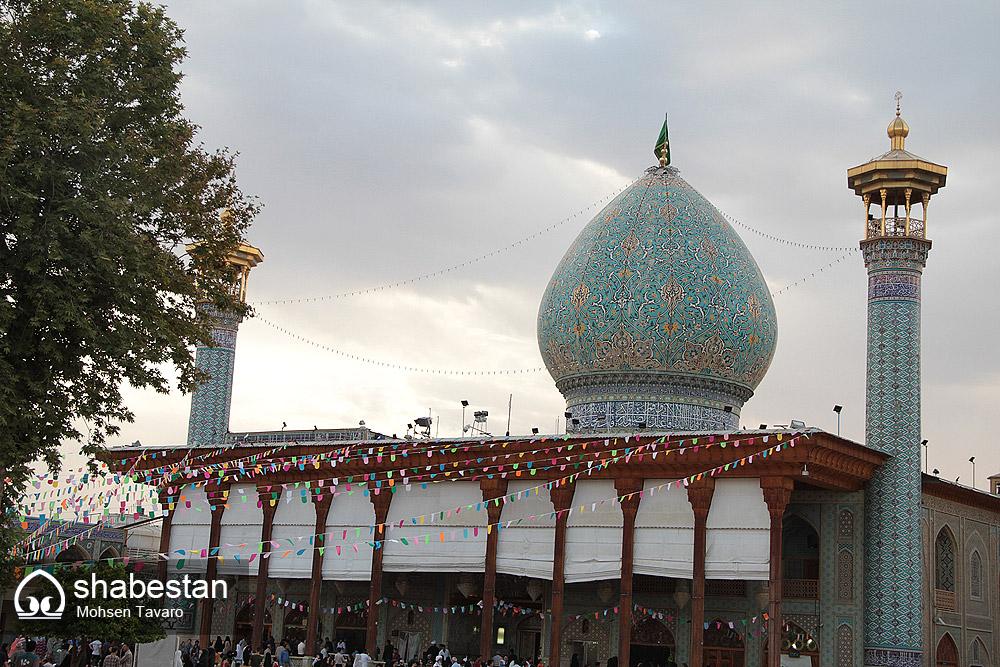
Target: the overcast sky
(389, 140)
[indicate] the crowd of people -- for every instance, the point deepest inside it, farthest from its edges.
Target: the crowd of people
(226, 653)
(77, 652)
(42, 652)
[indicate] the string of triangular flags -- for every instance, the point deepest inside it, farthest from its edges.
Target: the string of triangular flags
(379, 529)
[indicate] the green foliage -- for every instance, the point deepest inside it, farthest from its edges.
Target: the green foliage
(133, 629)
(101, 188)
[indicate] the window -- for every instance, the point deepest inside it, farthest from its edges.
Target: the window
(976, 576)
(944, 558)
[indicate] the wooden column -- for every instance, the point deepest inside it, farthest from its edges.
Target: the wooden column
(269, 505)
(381, 502)
(562, 499)
(628, 489)
(491, 488)
(777, 493)
(208, 604)
(322, 504)
(161, 566)
(700, 496)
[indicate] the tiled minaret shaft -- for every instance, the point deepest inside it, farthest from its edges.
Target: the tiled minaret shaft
(895, 253)
(210, 403)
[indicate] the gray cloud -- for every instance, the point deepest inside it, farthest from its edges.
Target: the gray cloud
(392, 139)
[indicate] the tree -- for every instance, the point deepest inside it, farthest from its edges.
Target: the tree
(101, 187)
(136, 628)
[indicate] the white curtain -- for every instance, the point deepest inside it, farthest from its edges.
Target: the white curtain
(664, 531)
(452, 535)
(190, 529)
(240, 532)
(294, 522)
(526, 547)
(594, 533)
(351, 511)
(738, 541)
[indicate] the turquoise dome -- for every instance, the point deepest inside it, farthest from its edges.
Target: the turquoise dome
(657, 315)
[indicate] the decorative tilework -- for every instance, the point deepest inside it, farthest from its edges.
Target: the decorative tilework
(845, 525)
(845, 575)
(845, 646)
(976, 576)
(210, 403)
(944, 562)
(893, 570)
(659, 287)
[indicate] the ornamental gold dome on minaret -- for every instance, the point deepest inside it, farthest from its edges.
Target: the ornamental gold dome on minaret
(657, 300)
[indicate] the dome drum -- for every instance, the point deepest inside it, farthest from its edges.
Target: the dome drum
(667, 402)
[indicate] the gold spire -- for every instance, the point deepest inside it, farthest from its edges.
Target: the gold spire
(898, 129)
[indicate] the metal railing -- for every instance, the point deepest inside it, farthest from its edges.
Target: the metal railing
(944, 600)
(896, 227)
(802, 589)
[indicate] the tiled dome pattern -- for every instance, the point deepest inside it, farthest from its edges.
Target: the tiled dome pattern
(657, 313)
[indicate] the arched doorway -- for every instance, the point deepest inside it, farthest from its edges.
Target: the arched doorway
(73, 554)
(651, 643)
(352, 627)
(109, 554)
(947, 652)
(529, 638)
(800, 559)
(244, 623)
(723, 646)
(796, 642)
(293, 630)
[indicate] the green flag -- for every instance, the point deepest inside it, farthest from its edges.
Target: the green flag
(662, 148)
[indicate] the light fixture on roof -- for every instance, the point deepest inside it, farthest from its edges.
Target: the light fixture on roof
(797, 423)
(763, 427)
(935, 472)
(424, 423)
(924, 443)
(284, 425)
(972, 460)
(465, 404)
(534, 430)
(361, 423)
(837, 409)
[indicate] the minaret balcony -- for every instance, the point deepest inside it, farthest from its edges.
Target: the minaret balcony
(898, 227)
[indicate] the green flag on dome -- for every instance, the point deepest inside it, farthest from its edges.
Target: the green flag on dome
(662, 148)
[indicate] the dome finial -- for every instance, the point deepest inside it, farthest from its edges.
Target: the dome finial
(898, 129)
(662, 148)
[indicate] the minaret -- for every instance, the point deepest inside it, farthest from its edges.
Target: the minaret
(210, 403)
(895, 253)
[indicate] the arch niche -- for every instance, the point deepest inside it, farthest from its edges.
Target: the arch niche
(723, 646)
(947, 652)
(73, 554)
(352, 627)
(651, 642)
(244, 623)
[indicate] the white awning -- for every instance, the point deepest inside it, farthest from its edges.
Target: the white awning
(190, 529)
(525, 547)
(738, 542)
(594, 533)
(664, 531)
(240, 531)
(350, 520)
(294, 522)
(452, 535)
